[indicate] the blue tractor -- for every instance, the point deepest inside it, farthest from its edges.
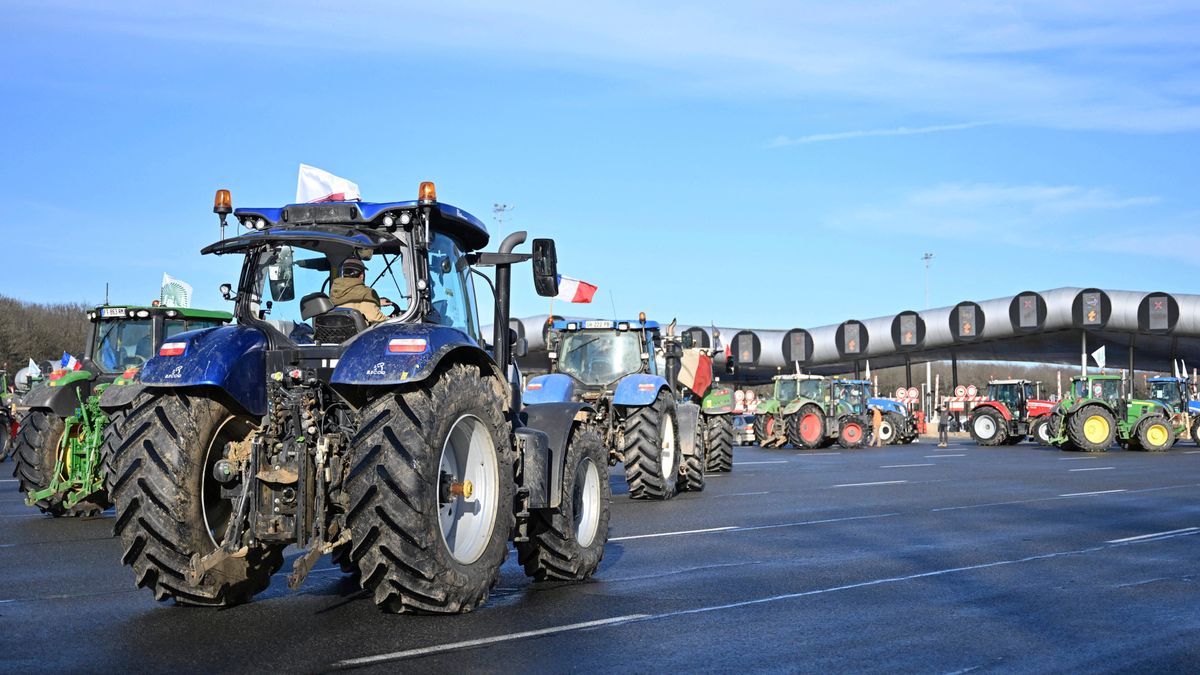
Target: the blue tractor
(398, 443)
(899, 425)
(647, 421)
(1176, 394)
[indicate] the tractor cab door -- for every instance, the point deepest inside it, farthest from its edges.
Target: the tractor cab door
(452, 293)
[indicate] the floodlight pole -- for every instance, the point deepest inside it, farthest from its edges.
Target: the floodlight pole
(928, 365)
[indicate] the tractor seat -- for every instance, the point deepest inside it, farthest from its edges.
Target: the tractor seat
(331, 325)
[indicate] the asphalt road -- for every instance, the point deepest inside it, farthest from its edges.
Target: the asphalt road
(902, 559)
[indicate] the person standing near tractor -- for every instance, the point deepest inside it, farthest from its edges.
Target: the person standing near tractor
(943, 426)
(876, 424)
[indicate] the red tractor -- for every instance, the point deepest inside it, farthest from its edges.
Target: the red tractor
(1010, 413)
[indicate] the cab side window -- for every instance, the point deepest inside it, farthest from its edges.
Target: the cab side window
(450, 283)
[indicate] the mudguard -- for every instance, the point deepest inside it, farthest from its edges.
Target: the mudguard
(997, 406)
(794, 407)
(60, 399)
(638, 389)
(719, 401)
(1037, 408)
(687, 417)
(1194, 407)
(227, 357)
(117, 396)
(767, 407)
(369, 359)
(552, 388)
(556, 420)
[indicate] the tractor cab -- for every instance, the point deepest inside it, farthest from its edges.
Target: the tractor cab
(1014, 394)
(1170, 391)
(599, 353)
(123, 338)
(851, 396)
(1107, 388)
(791, 388)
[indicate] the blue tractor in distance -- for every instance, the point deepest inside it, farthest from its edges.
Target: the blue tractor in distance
(397, 444)
(647, 421)
(1176, 394)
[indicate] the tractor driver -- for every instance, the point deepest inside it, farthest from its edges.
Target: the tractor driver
(350, 291)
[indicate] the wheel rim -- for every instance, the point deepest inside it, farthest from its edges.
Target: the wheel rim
(1095, 429)
(468, 489)
(985, 426)
(216, 509)
(1043, 431)
(770, 426)
(886, 431)
(810, 428)
(666, 452)
(1156, 434)
(852, 433)
(586, 502)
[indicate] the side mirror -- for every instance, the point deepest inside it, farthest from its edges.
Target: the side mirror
(521, 348)
(545, 268)
(688, 340)
(227, 291)
(279, 274)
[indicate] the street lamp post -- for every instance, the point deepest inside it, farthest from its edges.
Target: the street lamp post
(928, 365)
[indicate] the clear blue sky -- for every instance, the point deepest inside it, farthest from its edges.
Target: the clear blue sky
(761, 164)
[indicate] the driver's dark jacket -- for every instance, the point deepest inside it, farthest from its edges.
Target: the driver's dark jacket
(352, 293)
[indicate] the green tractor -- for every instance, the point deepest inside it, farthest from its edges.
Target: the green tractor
(790, 394)
(58, 448)
(1095, 412)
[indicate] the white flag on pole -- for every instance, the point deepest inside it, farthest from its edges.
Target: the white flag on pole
(34, 371)
(1098, 356)
(175, 293)
(315, 185)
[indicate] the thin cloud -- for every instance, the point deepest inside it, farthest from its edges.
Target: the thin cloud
(783, 141)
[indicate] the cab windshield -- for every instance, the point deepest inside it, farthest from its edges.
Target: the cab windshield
(1167, 393)
(851, 394)
(600, 357)
(1008, 394)
(1108, 390)
(123, 344)
(811, 389)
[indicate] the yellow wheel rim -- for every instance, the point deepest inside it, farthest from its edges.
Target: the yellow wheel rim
(1157, 435)
(1095, 429)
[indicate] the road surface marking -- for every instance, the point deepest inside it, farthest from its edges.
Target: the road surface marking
(816, 454)
(1050, 499)
(1068, 459)
(773, 461)
(879, 482)
(904, 466)
(8, 480)
(468, 644)
(744, 494)
(1088, 494)
(937, 456)
(1154, 535)
(1094, 468)
(1190, 452)
(672, 534)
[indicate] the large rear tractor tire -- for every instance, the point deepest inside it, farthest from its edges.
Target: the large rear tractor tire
(568, 545)
(807, 427)
(851, 433)
(651, 450)
(169, 507)
(35, 453)
(763, 426)
(718, 442)
(692, 467)
(1195, 430)
(988, 428)
(1091, 428)
(431, 494)
(1155, 434)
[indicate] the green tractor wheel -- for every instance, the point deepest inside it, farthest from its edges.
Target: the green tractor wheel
(1155, 435)
(1091, 428)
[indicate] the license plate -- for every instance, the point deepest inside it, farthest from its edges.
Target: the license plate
(113, 313)
(597, 324)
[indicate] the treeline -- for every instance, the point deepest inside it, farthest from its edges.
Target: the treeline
(34, 331)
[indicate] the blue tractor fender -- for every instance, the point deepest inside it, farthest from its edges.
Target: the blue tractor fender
(638, 389)
(1194, 407)
(552, 388)
(544, 469)
(888, 406)
(401, 353)
(227, 357)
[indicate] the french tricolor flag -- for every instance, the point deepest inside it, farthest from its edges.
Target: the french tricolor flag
(70, 362)
(574, 290)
